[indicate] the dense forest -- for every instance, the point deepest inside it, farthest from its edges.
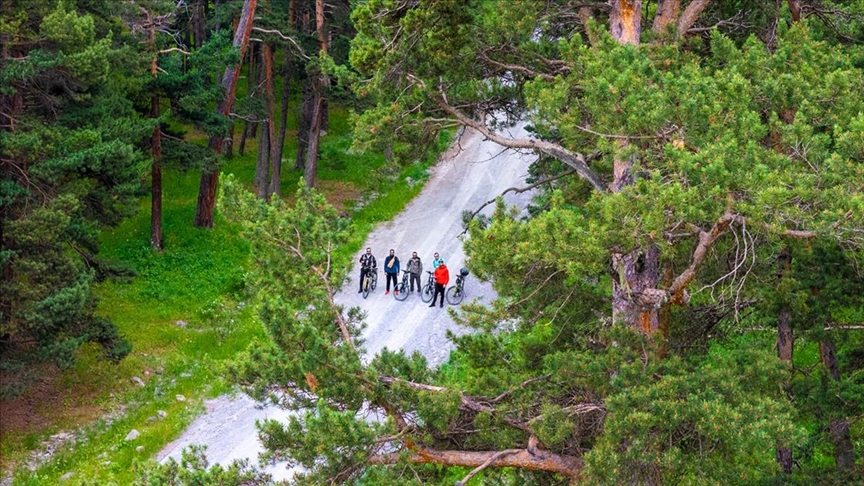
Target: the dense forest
(683, 304)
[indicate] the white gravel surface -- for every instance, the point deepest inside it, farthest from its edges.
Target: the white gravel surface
(473, 171)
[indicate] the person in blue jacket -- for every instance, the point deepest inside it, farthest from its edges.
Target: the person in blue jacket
(391, 269)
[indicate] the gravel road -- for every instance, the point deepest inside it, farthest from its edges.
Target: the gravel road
(473, 171)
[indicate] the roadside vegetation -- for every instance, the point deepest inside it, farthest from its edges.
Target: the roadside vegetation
(185, 311)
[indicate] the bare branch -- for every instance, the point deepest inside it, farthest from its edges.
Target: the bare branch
(690, 15)
(175, 49)
(284, 37)
(706, 242)
(516, 68)
(570, 466)
(483, 466)
(573, 159)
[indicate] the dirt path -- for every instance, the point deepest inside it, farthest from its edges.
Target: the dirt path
(472, 172)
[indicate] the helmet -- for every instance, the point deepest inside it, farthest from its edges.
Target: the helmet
(464, 271)
(440, 261)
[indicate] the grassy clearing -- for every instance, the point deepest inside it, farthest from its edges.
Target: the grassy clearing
(186, 313)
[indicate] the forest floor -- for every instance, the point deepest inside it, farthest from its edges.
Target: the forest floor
(473, 171)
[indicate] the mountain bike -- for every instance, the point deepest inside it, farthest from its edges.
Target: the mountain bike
(402, 289)
(428, 290)
(370, 282)
(455, 293)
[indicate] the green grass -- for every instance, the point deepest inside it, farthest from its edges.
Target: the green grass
(199, 279)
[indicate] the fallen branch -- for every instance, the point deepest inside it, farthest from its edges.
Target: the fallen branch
(570, 466)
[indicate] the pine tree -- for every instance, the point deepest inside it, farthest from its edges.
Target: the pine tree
(70, 168)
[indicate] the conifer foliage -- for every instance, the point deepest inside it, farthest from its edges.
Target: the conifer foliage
(69, 167)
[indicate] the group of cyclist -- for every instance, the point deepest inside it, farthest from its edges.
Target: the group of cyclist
(414, 268)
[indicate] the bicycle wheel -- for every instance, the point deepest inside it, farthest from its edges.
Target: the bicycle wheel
(427, 293)
(454, 295)
(366, 287)
(374, 282)
(401, 293)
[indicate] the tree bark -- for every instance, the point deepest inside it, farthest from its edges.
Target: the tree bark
(199, 19)
(263, 158)
(569, 466)
(785, 349)
(261, 180)
(690, 15)
(156, 147)
(635, 275)
(324, 43)
(156, 179)
(311, 173)
(270, 127)
(210, 177)
(838, 428)
(667, 14)
(625, 21)
(279, 146)
(795, 9)
(307, 112)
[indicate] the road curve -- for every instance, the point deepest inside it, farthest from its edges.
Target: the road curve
(473, 171)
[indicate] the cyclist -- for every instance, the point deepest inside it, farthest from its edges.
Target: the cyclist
(442, 277)
(437, 261)
(391, 269)
(415, 268)
(367, 264)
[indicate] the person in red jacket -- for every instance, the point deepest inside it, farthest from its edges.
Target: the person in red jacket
(442, 276)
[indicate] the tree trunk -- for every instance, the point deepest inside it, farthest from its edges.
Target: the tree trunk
(270, 127)
(785, 349)
(156, 179)
(324, 46)
(307, 112)
(241, 147)
(625, 21)
(314, 139)
(795, 9)
(635, 275)
(690, 15)
(279, 146)
(838, 428)
(199, 18)
(263, 161)
(156, 147)
(210, 177)
(667, 14)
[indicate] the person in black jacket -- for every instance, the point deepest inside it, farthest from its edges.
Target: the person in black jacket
(367, 264)
(391, 269)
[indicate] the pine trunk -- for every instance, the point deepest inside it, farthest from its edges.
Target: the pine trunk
(311, 173)
(667, 14)
(199, 20)
(210, 177)
(785, 350)
(307, 112)
(838, 428)
(625, 21)
(156, 142)
(279, 146)
(262, 163)
(324, 46)
(270, 127)
(156, 179)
